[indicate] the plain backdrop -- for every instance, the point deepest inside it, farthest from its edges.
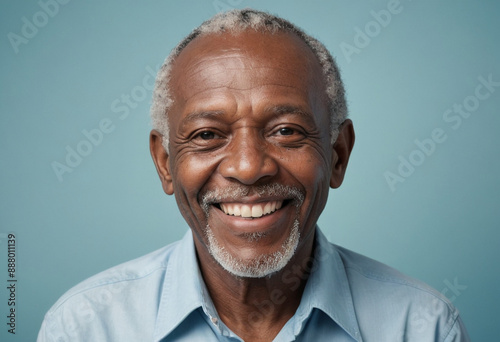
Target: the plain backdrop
(70, 68)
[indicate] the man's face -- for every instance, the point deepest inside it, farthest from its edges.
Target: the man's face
(250, 155)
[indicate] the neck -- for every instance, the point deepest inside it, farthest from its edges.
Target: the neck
(257, 308)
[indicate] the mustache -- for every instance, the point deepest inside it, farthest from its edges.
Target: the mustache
(235, 193)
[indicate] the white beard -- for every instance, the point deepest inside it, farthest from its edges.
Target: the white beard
(259, 267)
(264, 264)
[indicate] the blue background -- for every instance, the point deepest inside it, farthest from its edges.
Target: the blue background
(439, 225)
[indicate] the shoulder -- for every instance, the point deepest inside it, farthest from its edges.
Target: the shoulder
(381, 294)
(363, 271)
(127, 292)
(374, 270)
(144, 269)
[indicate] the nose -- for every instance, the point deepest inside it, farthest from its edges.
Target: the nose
(247, 159)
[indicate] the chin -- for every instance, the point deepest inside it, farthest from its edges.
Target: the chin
(258, 267)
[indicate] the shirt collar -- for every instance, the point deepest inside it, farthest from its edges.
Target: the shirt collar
(183, 289)
(328, 289)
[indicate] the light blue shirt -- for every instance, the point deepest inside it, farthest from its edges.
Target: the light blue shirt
(162, 297)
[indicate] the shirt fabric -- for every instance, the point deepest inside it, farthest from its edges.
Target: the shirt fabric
(162, 297)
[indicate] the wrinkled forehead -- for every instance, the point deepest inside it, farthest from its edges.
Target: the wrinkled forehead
(281, 57)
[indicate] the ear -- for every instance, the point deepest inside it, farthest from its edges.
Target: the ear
(160, 158)
(340, 153)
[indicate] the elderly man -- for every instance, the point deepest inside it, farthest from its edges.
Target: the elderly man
(250, 132)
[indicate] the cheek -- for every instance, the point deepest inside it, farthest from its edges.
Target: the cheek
(190, 174)
(311, 170)
(309, 166)
(188, 177)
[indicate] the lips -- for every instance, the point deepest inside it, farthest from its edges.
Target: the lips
(250, 210)
(251, 207)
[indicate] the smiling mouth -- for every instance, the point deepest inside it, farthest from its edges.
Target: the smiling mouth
(248, 210)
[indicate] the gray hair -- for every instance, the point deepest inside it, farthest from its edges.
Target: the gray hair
(235, 21)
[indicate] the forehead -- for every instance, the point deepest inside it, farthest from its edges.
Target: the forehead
(243, 61)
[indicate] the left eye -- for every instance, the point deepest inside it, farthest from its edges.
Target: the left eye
(286, 131)
(207, 135)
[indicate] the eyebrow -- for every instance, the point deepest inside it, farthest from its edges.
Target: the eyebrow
(288, 109)
(275, 110)
(202, 115)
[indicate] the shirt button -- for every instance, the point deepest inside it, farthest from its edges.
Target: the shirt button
(214, 320)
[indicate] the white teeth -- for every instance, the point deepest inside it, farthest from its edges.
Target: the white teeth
(237, 211)
(278, 204)
(250, 210)
(267, 208)
(246, 211)
(257, 211)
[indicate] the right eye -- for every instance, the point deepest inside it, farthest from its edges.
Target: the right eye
(207, 138)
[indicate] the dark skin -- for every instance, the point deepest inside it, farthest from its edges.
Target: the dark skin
(250, 109)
